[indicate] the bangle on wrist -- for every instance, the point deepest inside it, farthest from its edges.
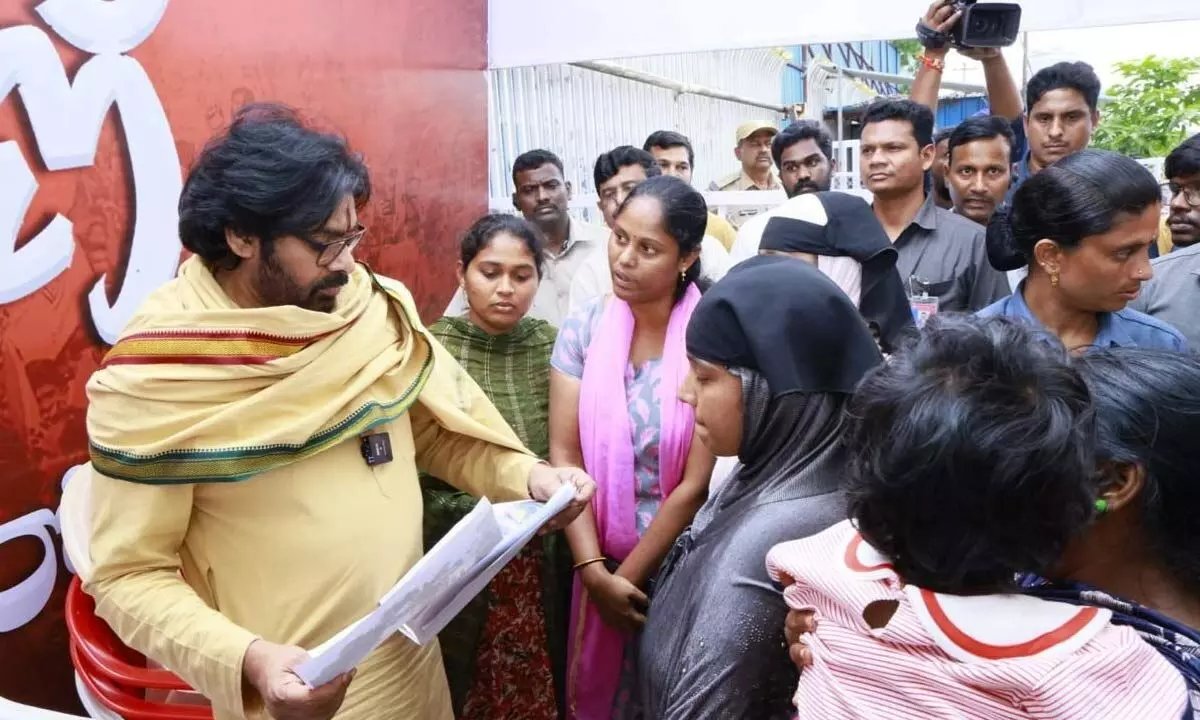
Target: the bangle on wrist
(932, 63)
(580, 565)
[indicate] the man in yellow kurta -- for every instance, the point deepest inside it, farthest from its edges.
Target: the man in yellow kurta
(255, 437)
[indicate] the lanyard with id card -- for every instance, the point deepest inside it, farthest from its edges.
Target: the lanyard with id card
(924, 305)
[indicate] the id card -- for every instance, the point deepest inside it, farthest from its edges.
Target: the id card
(923, 307)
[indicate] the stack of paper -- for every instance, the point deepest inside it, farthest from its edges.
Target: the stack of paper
(440, 585)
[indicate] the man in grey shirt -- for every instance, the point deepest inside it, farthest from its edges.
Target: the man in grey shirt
(942, 254)
(1173, 295)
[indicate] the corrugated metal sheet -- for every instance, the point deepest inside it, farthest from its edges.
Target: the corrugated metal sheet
(578, 113)
(793, 84)
(952, 111)
(878, 56)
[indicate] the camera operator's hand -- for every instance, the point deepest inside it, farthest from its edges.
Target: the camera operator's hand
(941, 17)
(986, 54)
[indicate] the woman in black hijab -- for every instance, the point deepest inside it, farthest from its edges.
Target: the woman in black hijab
(776, 348)
(840, 235)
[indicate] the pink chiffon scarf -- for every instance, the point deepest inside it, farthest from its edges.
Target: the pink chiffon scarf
(606, 439)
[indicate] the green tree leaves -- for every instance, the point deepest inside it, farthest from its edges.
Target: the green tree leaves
(1153, 110)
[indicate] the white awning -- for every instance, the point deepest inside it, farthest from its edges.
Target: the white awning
(540, 32)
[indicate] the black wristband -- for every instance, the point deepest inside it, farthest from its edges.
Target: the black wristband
(930, 38)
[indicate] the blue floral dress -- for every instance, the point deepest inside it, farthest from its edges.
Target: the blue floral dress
(641, 398)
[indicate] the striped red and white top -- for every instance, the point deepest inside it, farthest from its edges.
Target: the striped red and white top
(990, 657)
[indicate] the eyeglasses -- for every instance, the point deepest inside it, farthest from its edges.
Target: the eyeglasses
(327, 252)
(1171, 190)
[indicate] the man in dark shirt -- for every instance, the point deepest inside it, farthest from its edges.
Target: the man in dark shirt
(979, 170)
(941, 168)
(942, 255)
(1062, 111)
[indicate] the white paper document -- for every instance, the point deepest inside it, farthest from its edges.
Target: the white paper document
(440, 584)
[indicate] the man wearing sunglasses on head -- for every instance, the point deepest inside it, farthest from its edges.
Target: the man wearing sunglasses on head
(255, 435)
(1173, 294)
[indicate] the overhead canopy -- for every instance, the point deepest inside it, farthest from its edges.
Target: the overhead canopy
(542, 32)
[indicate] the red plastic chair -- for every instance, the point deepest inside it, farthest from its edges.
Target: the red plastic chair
(116, 675)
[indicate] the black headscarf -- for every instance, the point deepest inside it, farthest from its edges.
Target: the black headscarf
(851, 230)
(785, 320)
(713, 644)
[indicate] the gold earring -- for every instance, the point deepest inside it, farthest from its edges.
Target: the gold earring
(1053, 275)
(682, 276)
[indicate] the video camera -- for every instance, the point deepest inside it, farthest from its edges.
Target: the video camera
(988, 24)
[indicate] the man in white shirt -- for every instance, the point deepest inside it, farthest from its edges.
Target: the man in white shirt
(542, 195)
(616, 174)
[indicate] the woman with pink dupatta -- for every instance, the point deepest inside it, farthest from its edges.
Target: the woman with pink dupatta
(651, 475)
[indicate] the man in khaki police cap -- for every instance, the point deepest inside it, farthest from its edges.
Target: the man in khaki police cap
(754, 151)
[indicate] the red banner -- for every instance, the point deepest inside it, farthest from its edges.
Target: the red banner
(103, 106)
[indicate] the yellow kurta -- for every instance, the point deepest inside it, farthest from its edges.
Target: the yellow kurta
(292, 555)
(720, 228)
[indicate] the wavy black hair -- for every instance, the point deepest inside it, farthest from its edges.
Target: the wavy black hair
(1147, 410)
(799, 131)
(667, 139)
(1184, 160)
(915, 114)
(1079, 196)
(685, 216)
(984, 127)
(267, 175)
(1077, 76)
(971, 455)
(534, 159)
(483, 230)
(611, 162)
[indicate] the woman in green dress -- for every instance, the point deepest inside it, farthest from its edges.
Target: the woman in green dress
(505, 654)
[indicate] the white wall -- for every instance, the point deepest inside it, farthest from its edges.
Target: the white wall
(534, 32)
(578, 113)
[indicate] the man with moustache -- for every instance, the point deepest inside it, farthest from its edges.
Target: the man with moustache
(675, 157)
(542, 195)
(753, 151)
(1173, 294)
(979, 173)
(979, 169)
(943, 257)
(1181, 227)
(803, 152)
(616, 173)
(1062, 111)
(255, 435)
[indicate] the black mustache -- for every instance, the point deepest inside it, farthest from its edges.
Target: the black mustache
(333, 281)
